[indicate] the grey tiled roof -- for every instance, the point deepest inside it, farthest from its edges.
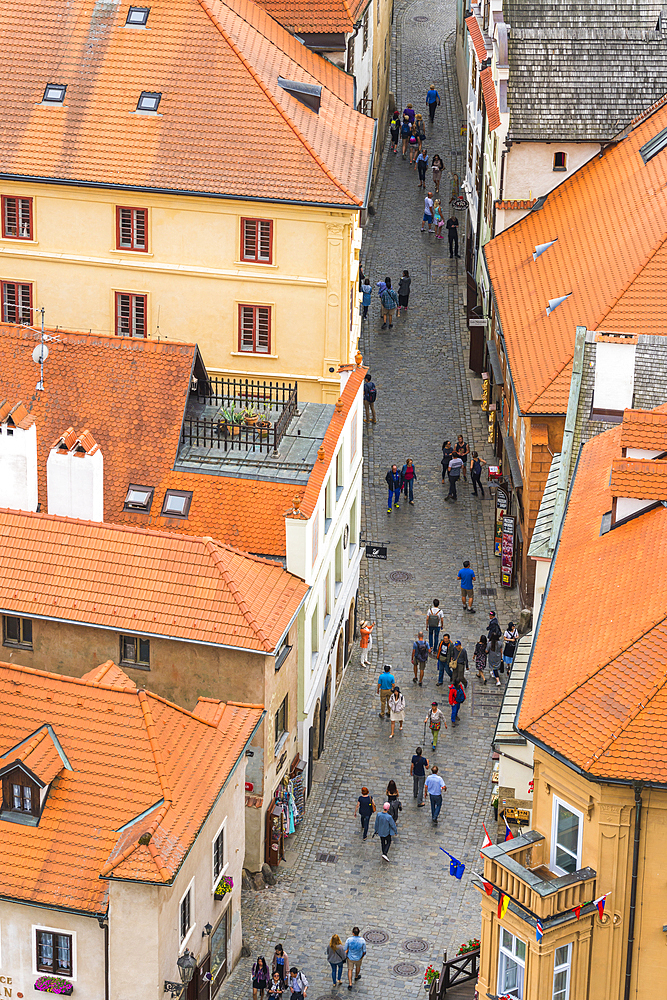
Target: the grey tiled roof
(505, 732)
(539, 542)
(591, 13)
(582, 83)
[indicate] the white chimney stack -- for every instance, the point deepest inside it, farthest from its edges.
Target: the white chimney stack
(75, 477)
(18, 458)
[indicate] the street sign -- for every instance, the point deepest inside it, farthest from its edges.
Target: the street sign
(376, 551)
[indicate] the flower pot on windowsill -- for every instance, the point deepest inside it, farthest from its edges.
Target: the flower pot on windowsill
(224, 887)
(54, 984)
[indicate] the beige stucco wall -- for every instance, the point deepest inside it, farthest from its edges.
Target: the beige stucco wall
(529, 169)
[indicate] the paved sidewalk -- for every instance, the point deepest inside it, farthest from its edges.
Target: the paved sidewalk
(423, 396)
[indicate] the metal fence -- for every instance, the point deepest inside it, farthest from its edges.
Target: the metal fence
(244, 391)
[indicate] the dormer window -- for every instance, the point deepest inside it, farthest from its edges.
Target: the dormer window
(20, 796)
(137, 17)
(54, 93)
(148, 101)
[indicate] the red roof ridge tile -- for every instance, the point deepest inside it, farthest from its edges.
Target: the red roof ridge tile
(638, 119)
(213, 551)
(154, 744)
(72, 337)
(276, 104)
(243, 704)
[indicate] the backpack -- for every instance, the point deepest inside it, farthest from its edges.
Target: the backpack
(405, 127)
(422, 650)
(433, 621)
(386, 299)
(460, 696)
(452, 695)
(372, 392)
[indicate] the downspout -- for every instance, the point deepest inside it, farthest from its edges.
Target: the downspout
(633, 890)
(104, 924)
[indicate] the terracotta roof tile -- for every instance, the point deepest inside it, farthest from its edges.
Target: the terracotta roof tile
(490, 98)
(108, 733)
(231, 65)
(643, 479)
(644, 429)
(610, 218)
(315, 16)
(476, 37)
(135, 580)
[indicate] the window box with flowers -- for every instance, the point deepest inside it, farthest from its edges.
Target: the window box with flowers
(54, 984)
(224, 886)
(471, 945)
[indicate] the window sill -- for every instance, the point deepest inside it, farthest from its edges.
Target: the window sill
(23, 819)
(19, 239)
(280, 744)
(353, 549)
(559, 170)
(339, 493)
(135, 666)
(185, 940)
(338, 586)
(252, 354)
(126, 250)
(254, 263)
(18, 645)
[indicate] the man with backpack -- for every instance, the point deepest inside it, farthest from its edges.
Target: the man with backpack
(456, 698)
(388, 303)
(434, 622)
(370, 395)
(445, 650)
(493, 628)
(420, 651)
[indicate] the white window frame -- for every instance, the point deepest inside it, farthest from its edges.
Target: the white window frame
(54, 930)
(225, 865)
(563, 967)
(554, 828)
(193, 916)
(504, 954)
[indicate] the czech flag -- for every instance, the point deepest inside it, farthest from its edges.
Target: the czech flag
(487, 839)
(539, 933)
(508, 833)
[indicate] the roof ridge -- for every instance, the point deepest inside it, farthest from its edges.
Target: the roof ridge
(637, 273)
(256, 77)
(210, 547)
(110, 866)
(14, 329)
(155, 745)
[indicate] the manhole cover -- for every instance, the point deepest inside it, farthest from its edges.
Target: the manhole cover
(329, 858)
(406, 969)
(328, 996)
(400, 576)
(488, 591)
(375, 936)
(416, 945)
(420, 19)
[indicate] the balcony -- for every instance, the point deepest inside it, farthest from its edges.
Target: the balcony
(517, 868)
(242, 415)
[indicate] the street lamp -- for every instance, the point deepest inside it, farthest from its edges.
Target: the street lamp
(187, 964)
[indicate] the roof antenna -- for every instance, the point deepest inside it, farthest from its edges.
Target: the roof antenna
(554, 303)
(541, 247)
(41, 352)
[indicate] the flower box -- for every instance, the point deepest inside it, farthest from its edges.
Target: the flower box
(471, 945)
(54, 984)
(224, 886)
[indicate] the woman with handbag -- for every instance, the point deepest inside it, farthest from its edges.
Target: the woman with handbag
(396, 710)
(336, 958)
(365, 807)
(494, 657)
(434, 720)
(261, 978)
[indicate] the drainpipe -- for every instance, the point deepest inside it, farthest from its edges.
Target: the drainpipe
(103, 921)
(633, 890)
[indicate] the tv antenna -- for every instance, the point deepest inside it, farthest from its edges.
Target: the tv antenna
(41, 352)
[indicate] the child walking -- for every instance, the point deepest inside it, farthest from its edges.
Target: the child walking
(403, 291)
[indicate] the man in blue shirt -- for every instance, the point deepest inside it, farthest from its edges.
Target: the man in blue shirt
(394, 482)
(467, 576)
(355, 949)
(432, 100)
(386, 683)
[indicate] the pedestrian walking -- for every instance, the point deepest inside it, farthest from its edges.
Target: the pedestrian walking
(385, 828)
(396, 710)
(261, 978)
(480, 657)
(366, 295)
(420, 131)
(413, 143)
(434, 720)
(418, 771)
(276, 987)
(494, 657)
(395, 130)
(494, 625)
(510, 637)
(393, 481)
(388, 303)
(394, 801)
(453, 473)
(408, 476)
(436, 171)
(422, 167)
(461, 449)
(434, 622)
(432, 102)
(336, 958)
(444, 652)
(420, 653)
(438, 220)
(298, 984)
(458, 664)
(447, 456)
(370, 395)
(406, 128)
(453, 235)
(365, 807)
(403, 291)
(355, 949)
(457, 696)
(466, 577)
(476, 472)
(366, 640)
(409, 113)
(385, 686)
(280, 964)
(435, 786)
(428, 212)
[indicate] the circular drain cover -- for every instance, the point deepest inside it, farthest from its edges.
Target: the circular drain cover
(328, 996)
(375, 936)
(416, 945)
(406, 969)
(400, 576)
(421, 18)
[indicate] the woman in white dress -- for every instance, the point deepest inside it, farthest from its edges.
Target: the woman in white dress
(396, 710)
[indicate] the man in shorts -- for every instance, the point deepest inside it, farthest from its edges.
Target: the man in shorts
(355, 949)
(428, 212)
(467, 577)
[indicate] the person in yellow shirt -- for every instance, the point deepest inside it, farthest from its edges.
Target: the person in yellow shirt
(366, 630)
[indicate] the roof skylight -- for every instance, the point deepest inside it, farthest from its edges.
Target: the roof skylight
(138, 498)
(148, 101)
(137, 17)
(176, 503)
(54, 93)
(309, 94)
(653, 146)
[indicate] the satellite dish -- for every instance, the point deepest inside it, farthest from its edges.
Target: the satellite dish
(40, 354)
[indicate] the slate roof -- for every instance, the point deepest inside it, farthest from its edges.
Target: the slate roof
(569, 14)
(130, 752)
(539, 541)
(216, 65)
(505, 732)
(581, 83)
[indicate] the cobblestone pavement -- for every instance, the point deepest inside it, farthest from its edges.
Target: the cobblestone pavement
(423, 396)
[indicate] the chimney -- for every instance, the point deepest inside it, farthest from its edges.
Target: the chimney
(18, 458)
(639, 476)
(75, 477)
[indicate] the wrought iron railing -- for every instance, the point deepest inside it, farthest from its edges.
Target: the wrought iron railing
(243, 391)
(271, 404)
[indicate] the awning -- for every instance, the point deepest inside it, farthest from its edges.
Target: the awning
(496, 366)
(508, 441)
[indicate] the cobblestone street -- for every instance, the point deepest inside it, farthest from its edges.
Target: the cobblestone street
(419, 368)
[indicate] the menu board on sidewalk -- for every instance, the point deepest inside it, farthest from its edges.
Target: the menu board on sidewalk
(507, 557)
(502, 508)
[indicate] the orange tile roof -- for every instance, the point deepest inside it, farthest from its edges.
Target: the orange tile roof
(130, 752)
(508, 205)
(490, 98)
(610, 218)
(643, 479)
(603, 709)
(221, 86)
(644, 429)
(476, 37)
(135, 580)
(315, 16)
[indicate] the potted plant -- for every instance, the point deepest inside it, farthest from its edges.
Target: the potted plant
(232, 418)
(54, 984)
(471, 945)
(264, 416)
(430, 976)
(225, 885)
(250, 415)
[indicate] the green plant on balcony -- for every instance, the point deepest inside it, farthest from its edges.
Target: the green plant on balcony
(471, 945)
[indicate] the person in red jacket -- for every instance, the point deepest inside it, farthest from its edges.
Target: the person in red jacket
(456, 698)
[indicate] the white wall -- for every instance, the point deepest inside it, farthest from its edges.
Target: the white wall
(529, 169)
(75, 484)
(514, 775)
(18, 467)
(541, 573)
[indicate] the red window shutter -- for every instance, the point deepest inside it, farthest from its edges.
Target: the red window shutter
(265, 233)
(247, 328)
(122, 314)
(125, 228)
(263, 321)
(16, 302)
(140, 228)
(132, 228)
(10, 217)
(25, 220)
(139, 316)
(249, 239)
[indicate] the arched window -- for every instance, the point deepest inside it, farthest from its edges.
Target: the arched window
(560, 161)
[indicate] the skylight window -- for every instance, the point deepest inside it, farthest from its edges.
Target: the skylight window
(54, 93)
(654, 146)
(148, 101)
(137, 17)
(139, 498)
(176, 503)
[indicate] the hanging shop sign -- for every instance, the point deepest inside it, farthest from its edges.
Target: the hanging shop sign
(486, 390)
(502, 508)
(508, 552)
(376, 551)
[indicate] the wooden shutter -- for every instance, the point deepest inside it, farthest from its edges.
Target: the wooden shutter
(139, 235)
(17, 218)
(16, 302)
(257, 240)
(263, 323)
(139, 316)
(132, 226)
(125, 228)
(249, 239)
(247, 328)
(265, 240)
(130, 315)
